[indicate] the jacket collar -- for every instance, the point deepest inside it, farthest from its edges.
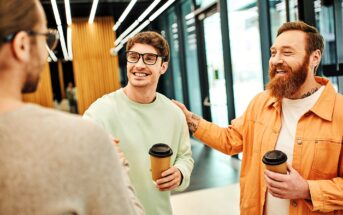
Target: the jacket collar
(323, 107)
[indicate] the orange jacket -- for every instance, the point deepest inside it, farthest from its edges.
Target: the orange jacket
(318, 150)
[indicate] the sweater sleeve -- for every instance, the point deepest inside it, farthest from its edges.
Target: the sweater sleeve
(184, 161)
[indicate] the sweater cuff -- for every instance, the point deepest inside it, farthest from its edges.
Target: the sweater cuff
(184, 179)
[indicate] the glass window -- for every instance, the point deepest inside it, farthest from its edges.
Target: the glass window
(174, 56)
(277, 10)
(245, 52)
(190, 42)
(215, 70)
(293, 10)
(325, 24)
(204, 3)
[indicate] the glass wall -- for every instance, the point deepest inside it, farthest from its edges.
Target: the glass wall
(245, 52)
(293, 10)
(215, 70)
(174, 55)
(204, 3)
(190, 41)
(325, 24)
(277, 10)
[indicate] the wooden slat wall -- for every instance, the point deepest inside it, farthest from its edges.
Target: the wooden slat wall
(96, 72)
(43, 94)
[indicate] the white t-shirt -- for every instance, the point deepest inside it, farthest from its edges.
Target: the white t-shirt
(292, 110)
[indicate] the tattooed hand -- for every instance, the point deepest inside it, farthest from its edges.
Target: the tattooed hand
(192, 119)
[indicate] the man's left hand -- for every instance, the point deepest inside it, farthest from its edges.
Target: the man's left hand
(171, 179)
(290, 186)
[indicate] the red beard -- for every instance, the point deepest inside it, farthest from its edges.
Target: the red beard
(288, 85)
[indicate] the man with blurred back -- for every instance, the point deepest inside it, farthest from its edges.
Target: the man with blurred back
(50, 162)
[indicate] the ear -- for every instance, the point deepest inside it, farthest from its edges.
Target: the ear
(21, 46)
(164, 68)
(315, 58)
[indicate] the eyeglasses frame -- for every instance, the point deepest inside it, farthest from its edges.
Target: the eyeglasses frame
(141, 55)
(10, 37)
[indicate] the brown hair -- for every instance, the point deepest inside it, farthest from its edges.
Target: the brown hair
(153, 39)
(314, 38)
(17, 15)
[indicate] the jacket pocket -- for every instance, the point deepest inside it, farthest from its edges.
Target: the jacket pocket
(326, 159)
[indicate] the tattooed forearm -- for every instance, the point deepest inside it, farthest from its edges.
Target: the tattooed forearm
(193, 122)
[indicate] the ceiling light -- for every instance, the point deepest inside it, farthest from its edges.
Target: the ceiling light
(124, 14)
(69, 43)
(93, 10)
(160, 10)
(148, 10)
(133, 25)
(55, 10)
(63, 43)
(68, 13)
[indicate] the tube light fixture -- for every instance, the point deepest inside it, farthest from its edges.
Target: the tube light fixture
(93, 10)
(52, 55)
(160, 10)
(140, 19)
(148, 10)
(63, 43)
(56, 14)
(124, 14)
(69, 43)
(68, 13)
(143, 25)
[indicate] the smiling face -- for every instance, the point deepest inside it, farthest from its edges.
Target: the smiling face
(288, 64)
(141, 75)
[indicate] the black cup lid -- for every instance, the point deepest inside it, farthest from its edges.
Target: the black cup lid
(274, 157)
(160, 150)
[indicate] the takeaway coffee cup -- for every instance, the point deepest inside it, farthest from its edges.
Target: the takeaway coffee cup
(160, 154)
(275, 161)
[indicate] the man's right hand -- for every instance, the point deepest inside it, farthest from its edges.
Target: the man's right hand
(192, 119)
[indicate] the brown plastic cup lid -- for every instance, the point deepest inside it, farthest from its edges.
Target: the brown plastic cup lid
(274, 157)
(160, 150)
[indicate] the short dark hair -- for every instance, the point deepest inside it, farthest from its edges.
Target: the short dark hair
(314, 38)
(153, 39)
(17, 15)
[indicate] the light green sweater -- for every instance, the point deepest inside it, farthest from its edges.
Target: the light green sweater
(139, 126)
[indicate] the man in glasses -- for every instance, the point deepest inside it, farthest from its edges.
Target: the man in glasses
(139, 117)
(49, 163)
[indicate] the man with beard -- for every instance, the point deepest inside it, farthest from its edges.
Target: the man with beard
(51, 162)
(140, 117)
(299, 114)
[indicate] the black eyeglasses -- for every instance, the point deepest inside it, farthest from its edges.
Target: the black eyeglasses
(148, 58)
(51, 35)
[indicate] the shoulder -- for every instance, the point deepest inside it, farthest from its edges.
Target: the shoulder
(170, 107)
(262, 99)
(66, 121)
(106, 103)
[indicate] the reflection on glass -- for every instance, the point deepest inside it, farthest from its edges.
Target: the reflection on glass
(245, 52)
(293, 10)
(325, 24)
(174, 58)
(190, 42)
(277, 10)
(204, 3)
(215, 70)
